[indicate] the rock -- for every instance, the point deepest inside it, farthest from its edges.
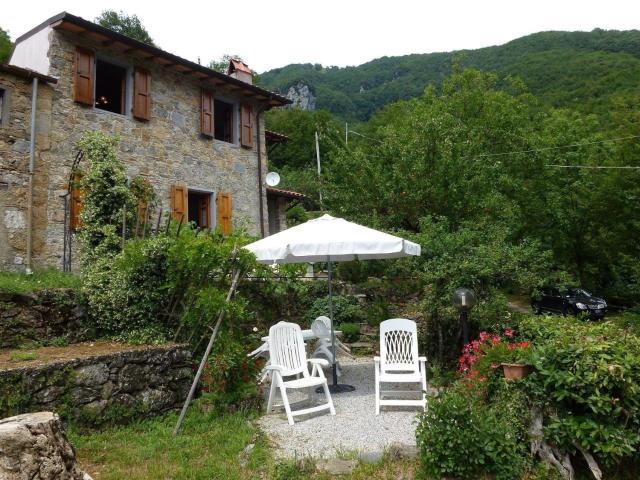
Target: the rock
(335, 466)
(243, 457)
(92, 376)
(371, 457)
(402, 450)
(301, 96)
(34, 446)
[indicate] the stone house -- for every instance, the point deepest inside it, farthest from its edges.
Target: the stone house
(196, 135)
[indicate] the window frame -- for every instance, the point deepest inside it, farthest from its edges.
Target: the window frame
(128, 84)
(212, 203)
(235, 119)
(4, 105)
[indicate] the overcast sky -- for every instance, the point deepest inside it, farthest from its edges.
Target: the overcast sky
(270, 34)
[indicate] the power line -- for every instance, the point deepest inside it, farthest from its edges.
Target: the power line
(594, 166)
(553, 148)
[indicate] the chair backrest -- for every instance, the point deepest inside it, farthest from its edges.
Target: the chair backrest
(399, 345)
(286, 349)
(321, 327)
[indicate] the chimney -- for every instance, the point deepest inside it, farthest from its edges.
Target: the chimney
(240, 70)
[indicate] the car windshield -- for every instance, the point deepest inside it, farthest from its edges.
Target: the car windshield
(579, 292)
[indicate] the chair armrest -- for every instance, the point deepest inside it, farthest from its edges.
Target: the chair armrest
(376, 359)
(276, 368)
(319, 361)
(422, 359)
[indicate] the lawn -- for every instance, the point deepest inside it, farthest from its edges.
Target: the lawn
(13, 282)
(210, 446)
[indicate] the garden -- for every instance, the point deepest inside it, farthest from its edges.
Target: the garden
(143, 305)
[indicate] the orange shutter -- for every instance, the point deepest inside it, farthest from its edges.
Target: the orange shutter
(76, 202)
(141, 94)
(179, 203)
(223, 206)
(246, 126)
(83, 76)
(206, 113)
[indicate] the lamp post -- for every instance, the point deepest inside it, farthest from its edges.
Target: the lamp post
(464, 300)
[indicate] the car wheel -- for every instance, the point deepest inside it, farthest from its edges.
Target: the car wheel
(536, 308)
(567, 311)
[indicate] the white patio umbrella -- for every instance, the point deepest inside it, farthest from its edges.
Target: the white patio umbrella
(329, 239)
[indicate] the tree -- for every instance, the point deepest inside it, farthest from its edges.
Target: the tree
(129, 25)
(222, 63)
(5, 46)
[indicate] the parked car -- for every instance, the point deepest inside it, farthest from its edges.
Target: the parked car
(568, 301)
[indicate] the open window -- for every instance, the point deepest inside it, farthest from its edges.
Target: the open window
(111, 86)
(223, 121)
(199, 208)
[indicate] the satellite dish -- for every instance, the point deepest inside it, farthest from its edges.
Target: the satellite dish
(273, 179)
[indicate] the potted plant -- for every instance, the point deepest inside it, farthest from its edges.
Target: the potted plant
(516, 364)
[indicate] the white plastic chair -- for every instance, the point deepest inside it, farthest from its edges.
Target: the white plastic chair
(321, 328)
(399, 362)
(288, 359)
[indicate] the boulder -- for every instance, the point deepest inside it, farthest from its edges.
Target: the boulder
(34, 446)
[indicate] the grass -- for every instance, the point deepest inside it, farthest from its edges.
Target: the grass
(209, 446)
(12, 282)
(23, 356)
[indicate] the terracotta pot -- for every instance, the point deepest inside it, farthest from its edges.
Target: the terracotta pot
(515, 371)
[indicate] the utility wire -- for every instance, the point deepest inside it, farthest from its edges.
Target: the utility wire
(593, 166)
(553, 148)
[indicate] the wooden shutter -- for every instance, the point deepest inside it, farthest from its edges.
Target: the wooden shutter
(246, 126)
(76, 202)
(206, 113)
(84, 67)
(141, 94)
(223, 207)
(179, 203)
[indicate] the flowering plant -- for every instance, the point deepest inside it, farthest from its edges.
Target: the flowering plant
(485, 354)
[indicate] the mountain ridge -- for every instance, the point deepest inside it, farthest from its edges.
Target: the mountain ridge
(581, 70)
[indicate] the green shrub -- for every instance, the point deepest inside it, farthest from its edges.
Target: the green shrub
(378, 311)
(345, 309)
(461, 436)
(230, 377)
(587, 376)
(350, 332)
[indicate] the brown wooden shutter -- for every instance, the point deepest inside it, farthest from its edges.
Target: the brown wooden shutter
(246, 126)
(141, 94)
(76, 202)
(179, 203)
(83, 76)
(223, 207)
(206, 113)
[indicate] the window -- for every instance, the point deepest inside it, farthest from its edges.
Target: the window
(223, 121)
(111, 81)
(200, 208)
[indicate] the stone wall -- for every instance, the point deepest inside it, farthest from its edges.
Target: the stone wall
(115, 387)
(43, 317)
(15, 133)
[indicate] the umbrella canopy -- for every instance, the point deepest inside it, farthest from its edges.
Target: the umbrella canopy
(330, 239)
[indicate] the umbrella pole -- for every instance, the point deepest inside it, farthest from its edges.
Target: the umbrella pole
(333, 332)
(335, 387)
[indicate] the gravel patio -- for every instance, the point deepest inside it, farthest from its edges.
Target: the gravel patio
(354, 428)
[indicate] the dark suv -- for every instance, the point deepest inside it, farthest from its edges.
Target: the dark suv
(568, 301)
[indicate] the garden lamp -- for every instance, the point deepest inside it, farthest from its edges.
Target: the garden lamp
(464, 300)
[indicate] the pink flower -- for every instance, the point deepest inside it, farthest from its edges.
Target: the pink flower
(494, 365)
(508, 332)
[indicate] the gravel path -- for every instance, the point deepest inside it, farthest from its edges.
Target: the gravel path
(355, 427)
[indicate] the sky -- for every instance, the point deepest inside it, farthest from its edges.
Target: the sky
(271, 34)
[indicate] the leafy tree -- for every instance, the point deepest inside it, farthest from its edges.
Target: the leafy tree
(129, 25)
(5, 46)
(222, 63)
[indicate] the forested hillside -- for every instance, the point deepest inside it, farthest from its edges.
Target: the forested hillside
(581, 70)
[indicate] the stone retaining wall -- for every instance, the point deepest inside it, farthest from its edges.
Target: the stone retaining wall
(114, 387)
(41, 317)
